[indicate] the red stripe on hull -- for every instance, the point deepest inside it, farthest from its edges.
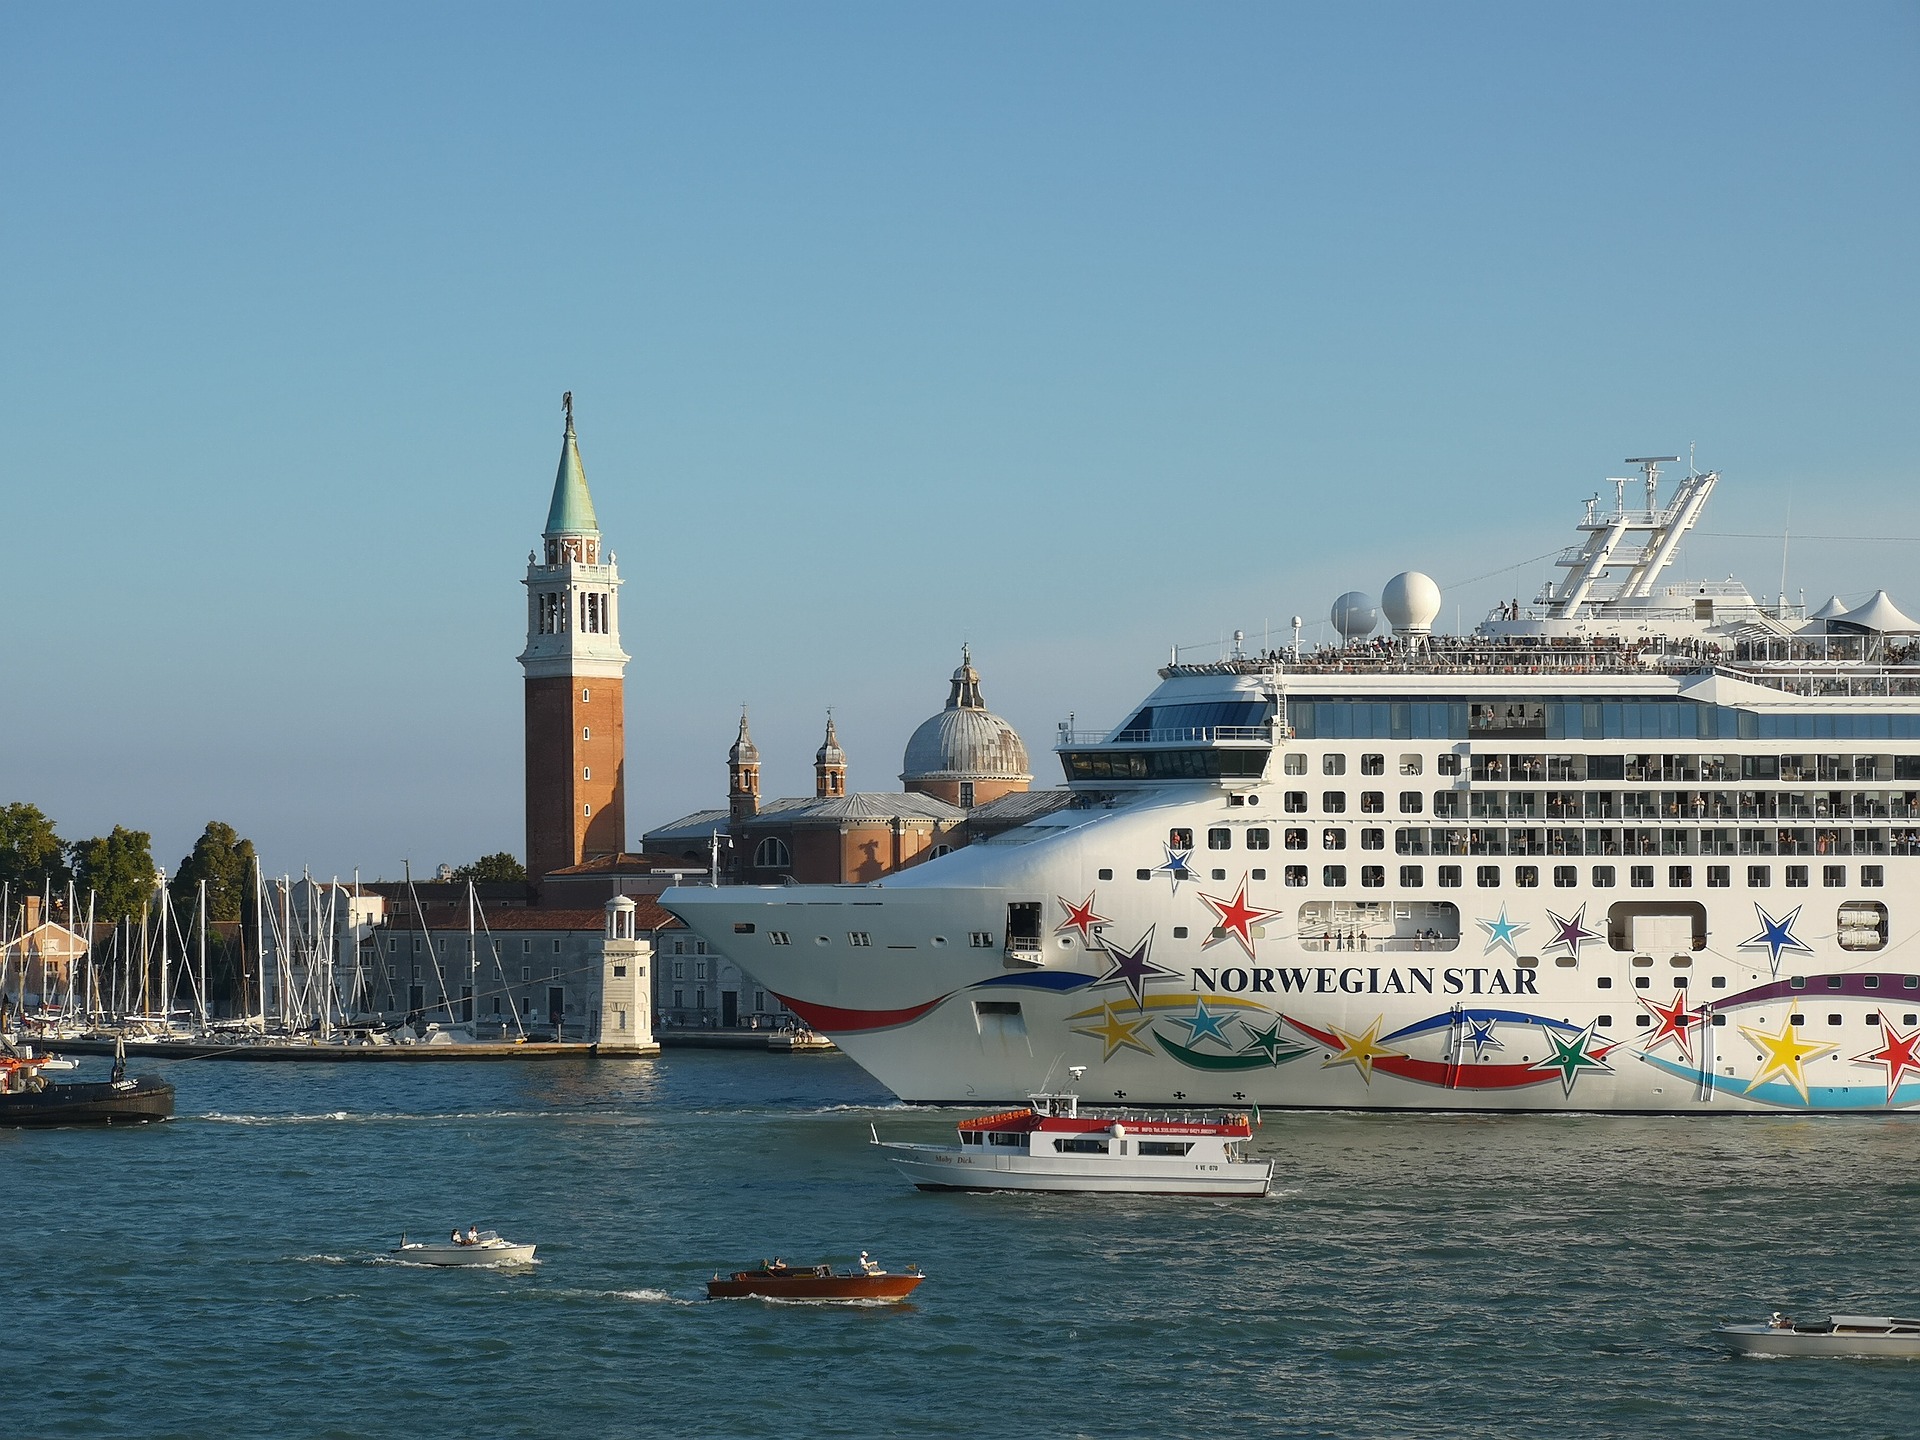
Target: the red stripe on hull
(832, 1020)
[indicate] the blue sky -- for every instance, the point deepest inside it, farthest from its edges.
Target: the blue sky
(1074, 330)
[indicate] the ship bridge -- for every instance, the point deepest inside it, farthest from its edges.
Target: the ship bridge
(1205, 722)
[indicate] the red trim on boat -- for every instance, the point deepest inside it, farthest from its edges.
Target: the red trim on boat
(832, 1020)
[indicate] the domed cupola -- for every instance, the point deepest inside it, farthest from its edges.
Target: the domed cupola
(965, 755)
(829, 767)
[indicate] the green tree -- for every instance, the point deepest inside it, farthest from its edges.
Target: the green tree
(32, 856)
(118, 869)
(499, 867)
(225, 861)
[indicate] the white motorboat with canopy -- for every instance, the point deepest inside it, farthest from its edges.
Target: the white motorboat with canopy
(487, 1248)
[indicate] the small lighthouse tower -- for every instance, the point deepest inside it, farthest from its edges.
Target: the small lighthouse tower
(576, 713)
(626, 995)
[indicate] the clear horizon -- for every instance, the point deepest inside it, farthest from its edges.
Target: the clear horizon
(1072, 333)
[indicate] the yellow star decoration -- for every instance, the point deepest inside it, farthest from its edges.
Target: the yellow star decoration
(1784, 1053)
(1115, 1033)
(1361, 1050)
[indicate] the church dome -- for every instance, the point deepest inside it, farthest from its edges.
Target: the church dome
(966, 741)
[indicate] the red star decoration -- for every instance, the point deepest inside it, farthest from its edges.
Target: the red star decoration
(1675, 1022)
(1237, 918)
(1896, 1052)
(1079, 917)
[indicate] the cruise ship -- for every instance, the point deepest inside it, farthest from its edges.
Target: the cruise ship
(1639, 844)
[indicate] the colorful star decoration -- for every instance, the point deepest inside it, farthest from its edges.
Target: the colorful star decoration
(1896, 1052)
(1776, 936)
(1114, 1033)
(1502, 933)
(1269, 1043)
(1134, 968)
(1673, 1022)
(1360, 1051)
(1480, 1035)
(1203, 1024)
(1176, 867)
(1237, 918)
(1570, 933)
(1584, 1051)
(1783, 1054)
(1080, 917)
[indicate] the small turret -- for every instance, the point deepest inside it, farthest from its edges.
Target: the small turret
(743, 775)
(830, 766)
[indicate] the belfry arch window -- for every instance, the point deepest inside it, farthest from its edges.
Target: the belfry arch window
(772, 854)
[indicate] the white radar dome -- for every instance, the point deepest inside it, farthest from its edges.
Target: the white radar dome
(1411, 601)
(1354, 615)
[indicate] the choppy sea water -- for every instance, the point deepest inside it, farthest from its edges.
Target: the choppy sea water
(225, 1274)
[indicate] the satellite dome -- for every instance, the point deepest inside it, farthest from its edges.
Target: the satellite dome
(1411, 601)
(1354, 615)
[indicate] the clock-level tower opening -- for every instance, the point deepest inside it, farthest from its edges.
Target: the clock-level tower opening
(575, 675)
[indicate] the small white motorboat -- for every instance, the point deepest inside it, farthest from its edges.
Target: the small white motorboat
(1885, 1336)
(1054, 1145)
(487, 1249)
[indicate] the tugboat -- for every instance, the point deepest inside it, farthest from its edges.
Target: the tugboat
(1051, 1145)
(777, 1280)
(27, 1097)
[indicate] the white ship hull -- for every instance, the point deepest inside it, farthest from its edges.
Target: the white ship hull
(1624, 856)
(934, 1168)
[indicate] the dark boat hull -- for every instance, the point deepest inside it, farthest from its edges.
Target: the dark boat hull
(132, 1102)
(812, 1287)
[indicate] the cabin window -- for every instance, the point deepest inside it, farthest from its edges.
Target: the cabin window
(857, 938)
(1296, 840)
(1294, 802)
(1373, 802)
(1796, 877)
(1719, 877)
(1447, 765)
(1166, 1147)
(1219, 838)
(1487, 877)
(1679, 877)
(1007, 1139)
(1373, 877)
(1412, 877)
(1333, 802)
(1873, 877)
(1257, 874)
(1373, 839)
(1333, 764)
(1409, 764)
(1180, 839)
(1373, 764)
(1259, 838)
(1565, 877)
(1527, 877)
(970, 1137)
(779, 937)
(1833, 877)
(1294, 764)
(1411, 802)
(1106, 874)
(980, 939)
(1759, 876)
(1296, 875)
(1080, 1145)
(1333, 876)
(1449, 877)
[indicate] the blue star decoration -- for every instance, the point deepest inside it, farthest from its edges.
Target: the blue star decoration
(1176, 866)
(1502, 933)
(1133, 968)
(1203, 1024)
(1777, 935)
(1480, 1035)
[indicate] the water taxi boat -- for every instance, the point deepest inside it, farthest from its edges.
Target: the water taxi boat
(28, 1098)
(488, 1249)
(777, 1280)
(1884, 1336)
(1638, 844)
(1050, 1145)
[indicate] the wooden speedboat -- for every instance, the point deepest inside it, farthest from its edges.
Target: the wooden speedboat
(27, 1097)
(1052, 1145)
(777, 1280)
(1856, 1335)
(488, 1249)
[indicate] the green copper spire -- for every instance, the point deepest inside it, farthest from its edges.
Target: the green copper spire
(572, 509)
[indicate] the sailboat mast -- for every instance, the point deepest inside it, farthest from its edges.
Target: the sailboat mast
(166, 916)
(203, 954)
(260, 940)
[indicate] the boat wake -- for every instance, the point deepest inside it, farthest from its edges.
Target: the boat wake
(319, 1259)
(367, 1117)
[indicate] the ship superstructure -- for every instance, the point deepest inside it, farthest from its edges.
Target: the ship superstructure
(1637, 844)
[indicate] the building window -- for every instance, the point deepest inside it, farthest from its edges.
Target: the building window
(526, 974)
(679, 971)
(556, 949)
(679, 999)
(586, 732)
(772, 854)
(526, 947)
(586, 772)
(584, 696)
(586, 809)
(1219, 839)
(966, 794)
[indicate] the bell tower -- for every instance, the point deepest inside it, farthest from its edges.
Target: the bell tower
(829, 766)
(575, 669)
